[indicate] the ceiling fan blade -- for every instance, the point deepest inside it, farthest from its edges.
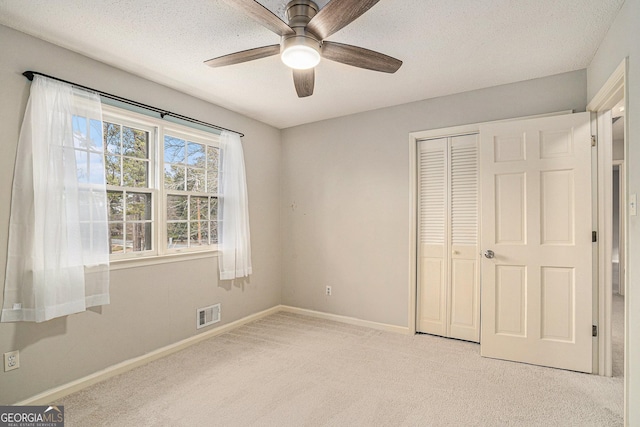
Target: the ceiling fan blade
(304, 81)
(262, 15)
(360, 57)
(244, 56)
(336, 15)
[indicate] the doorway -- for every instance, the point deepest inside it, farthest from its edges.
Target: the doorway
(618, 265)
(609, 106)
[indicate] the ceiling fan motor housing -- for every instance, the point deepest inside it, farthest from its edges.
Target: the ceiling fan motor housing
(299, 13)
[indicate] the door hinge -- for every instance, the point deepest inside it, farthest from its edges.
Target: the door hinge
(594, 331)
(594, 140)
(594, 236)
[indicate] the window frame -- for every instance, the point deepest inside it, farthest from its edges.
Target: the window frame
(189, 136)
(158, 128)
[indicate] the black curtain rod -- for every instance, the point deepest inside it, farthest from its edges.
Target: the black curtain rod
(29, 75)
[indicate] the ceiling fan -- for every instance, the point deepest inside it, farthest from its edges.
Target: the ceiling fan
(303, 44)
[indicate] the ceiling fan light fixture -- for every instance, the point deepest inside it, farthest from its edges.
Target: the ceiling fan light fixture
(300, 52)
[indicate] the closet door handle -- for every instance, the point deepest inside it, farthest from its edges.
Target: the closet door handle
(489, 254)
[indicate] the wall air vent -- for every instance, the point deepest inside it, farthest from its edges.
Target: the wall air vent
(207, 316)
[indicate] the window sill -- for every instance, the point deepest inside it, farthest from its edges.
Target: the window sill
(122, 264)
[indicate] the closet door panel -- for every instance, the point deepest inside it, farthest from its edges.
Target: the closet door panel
(433, 243)
(464, 290)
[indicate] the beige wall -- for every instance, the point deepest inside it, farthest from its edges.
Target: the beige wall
(345, 194)
(622, 41)
(153, 306)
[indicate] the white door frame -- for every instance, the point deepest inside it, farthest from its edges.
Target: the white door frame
(414, 137)
(605, 240)
(614, 89)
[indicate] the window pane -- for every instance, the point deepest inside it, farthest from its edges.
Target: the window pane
(214, 232)
(212, 182)
(212, 169)
(99, 212)
(135, 142)
(173, 177)
(112, 170)
(114, 198)
(212, 158)
(112, 137)
(177, 235)
(96, 168)
(199, 209)
(134, 172)
(213, 208)
(196, 155)
(138, 237)
(82, 170)
(138, 206)
(80, 132)
(195, 179)
(177, 208)
(115, 238)
(199, 233)
(174, 150)
(127, 140)
(95, 135)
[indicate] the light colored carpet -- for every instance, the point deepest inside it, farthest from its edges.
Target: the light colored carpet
(291, 370)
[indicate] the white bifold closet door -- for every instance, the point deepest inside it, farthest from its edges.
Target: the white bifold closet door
(448, 274)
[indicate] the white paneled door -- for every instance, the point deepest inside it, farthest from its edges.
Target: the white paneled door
(536, 241)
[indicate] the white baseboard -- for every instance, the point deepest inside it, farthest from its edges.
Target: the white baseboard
(53, 394)
(345, 319)
(59, 392)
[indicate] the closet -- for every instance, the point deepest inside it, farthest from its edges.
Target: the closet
(448, 253)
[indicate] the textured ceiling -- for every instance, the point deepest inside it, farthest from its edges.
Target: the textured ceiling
(447, 47)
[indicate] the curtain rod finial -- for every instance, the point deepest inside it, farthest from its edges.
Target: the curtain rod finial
(28, 75)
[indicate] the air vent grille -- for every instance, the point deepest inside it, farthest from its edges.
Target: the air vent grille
(207, 316)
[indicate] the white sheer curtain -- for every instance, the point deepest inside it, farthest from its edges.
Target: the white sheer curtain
(234, 237)
(58, 254)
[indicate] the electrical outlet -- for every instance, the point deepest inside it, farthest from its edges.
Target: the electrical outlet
(11, 360)
(328, 291)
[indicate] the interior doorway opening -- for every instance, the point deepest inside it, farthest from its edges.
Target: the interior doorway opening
(618, 265)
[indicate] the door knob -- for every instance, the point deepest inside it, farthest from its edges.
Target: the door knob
(489, 254)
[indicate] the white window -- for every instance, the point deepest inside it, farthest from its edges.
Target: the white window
(191, 190)
(129, 173)
(162, 186)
